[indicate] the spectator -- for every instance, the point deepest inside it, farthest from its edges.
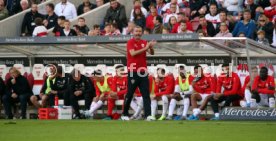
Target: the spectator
(67, 31)
(40, 30)
(173, 12)
(149, 19)
(114, 29)
(146, 31)
(96, 31)
(99, 3)
(24, 4)
(107, 30)
(165, 30)
(59, 26)
(213, 17)
(116, 14)
(129, 29)
(80, 88)
(86, 9)
(84, 4)
(196, 6)
(51, 17)
(207, 27)
(265, 25)
(13, 6)
(171, 24)
(264, 3)
(232, 6)
(159, 6)
(82, 26)
(224, 32)
(67, 9)
(4, 13)
(250, 5)
(167, 8)
(223, 19)
(77, 30)
(246, 25)
(270, 11)
(183, 28)
(137, 3)
(18, 90)
(28, 21)
(182, 17)
(261, 38)
(274, 37)
(139, 17)
(158, 27)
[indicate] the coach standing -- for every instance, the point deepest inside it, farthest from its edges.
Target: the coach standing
(137, 71)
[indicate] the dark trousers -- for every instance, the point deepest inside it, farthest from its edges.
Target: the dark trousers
(228, 100)
(8, 102)
(142, 82)
(74, 102)
(64, 95)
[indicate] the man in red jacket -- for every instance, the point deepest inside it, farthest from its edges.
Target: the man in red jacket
(263, 90)
(230, 82)
(118, 90)
(164, 86)
(204, 86)
(270, 11)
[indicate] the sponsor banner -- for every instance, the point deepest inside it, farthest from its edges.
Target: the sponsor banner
(11, 61)
(257, 60)
(238, 113)
(95, 39)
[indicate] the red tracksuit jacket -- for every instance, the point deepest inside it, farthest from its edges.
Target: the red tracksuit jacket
(231, 85)
(262, 86)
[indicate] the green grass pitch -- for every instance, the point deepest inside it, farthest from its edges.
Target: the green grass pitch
(98, 130)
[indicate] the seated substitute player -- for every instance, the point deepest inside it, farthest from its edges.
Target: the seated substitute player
(80, 88)
(263, 90)
(183, 89)
(246, 88)
(231, 84)
(118, 90)
(204, 86)
(164, 85)
(103, 86)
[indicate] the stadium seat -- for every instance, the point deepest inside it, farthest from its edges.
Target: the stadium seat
(30, 79)
(38, 71)
(79, 67)
(101, 67)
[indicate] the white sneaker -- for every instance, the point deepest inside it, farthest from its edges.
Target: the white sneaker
(125, 118)
(88, 115)
(150, 118)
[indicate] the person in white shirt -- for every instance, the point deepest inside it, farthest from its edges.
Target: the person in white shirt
(232, 6)
(173, 12)
(213, 16)
(40, 30)
(137, 3)
(67, 9)
(166, 8)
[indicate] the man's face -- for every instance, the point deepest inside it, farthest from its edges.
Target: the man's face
(34, 8)
(137, 32)
(159, 1)
(223, 28)
(120, 72)
(152, 9)
(173, 8)
(114, 4)
(174, 1)
(250, 2)
(48, 9)
(160, 74)
(24, 5)
(67, 25)
(254, 72)
(263, 74)
(213, 9)
(63, 1)
(137, 3)
(202, 21)
(182, 72)
(81, 22)
(183, 26)
(247, 16)
(97, 30)
(222, 17)
(2, 6)
(99, 3)
(225, 70)
(272, 2)
(180, 18)
(77, 77)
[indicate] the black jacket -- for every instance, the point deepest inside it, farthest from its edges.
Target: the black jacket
(20, 87)
(52, 21)
(80, 8)
(60, 84)
(28, 22)
(83, 85)
(117, 15)
(71, 33)
(268, 29)
(84, 29)
(13, 6)
(2, 86)
(210, 29)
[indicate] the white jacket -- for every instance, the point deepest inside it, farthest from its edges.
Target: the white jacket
(231, 5)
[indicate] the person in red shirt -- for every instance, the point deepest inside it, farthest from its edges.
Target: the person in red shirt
(149, 19)
(183, 89)
(204, 86)
(182, 17)
(137, 71)
(246, 88)
(118, 90)
(263, 90)
(164, 86)
(270, 11)
(230, 82)
(103, 86)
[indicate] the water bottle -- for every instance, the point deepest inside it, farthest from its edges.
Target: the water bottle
(56, 100)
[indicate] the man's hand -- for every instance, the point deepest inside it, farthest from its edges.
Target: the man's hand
(217, 96)
(14, 95)
(113, 95)
(152, 43)
(45, 23)
(40, 95)
(77, 93)
(13, 81)
(53, 92)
